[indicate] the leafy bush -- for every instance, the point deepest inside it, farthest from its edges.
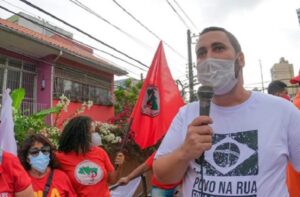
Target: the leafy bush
(28, 124)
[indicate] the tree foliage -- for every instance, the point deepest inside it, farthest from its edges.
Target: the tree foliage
(33, 123)
(126, 97)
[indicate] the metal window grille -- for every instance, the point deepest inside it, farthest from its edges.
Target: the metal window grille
(19, 74)
(81, 87)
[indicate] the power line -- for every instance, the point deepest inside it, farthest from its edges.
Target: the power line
(59, 33)
(182, 20)
(48, 62)
(186, 15)
(18, 7)
(145, 27)
(89, 10)
(83, 32)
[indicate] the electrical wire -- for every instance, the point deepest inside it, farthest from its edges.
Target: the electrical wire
(59, 33)
(150, 31)
(185, 14)
(83, 32)
(89, 10)
(182, 20)
(18, 7)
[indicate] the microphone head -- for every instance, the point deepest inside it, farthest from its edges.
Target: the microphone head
(205, 92)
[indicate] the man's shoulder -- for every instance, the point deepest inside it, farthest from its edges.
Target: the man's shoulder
(190, 106)
(259, 96)
(272, 102)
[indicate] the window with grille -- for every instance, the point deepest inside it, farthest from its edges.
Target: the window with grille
(80, 87)
(15, 74)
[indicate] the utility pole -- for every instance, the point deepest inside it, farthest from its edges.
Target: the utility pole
(261, 77)
(298, 14)
(190, 66)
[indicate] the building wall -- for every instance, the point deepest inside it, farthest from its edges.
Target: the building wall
(96, 112)
(84, 68)
(44, 94)
(284, 71)
(44, 74)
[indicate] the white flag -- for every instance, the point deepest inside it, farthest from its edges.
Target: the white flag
(126, 190)
(7, 135)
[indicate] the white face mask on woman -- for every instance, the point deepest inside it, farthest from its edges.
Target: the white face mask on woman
(96, 139)
(217, 73)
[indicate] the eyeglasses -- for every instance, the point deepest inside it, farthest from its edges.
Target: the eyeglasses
(35, 151)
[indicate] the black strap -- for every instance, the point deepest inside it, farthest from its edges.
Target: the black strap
(48, 184)
(144, 183)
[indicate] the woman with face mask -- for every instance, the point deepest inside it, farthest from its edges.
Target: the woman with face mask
(88, 166)
(37, 156)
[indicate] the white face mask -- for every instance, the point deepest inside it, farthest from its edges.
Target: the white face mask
(96, 139)
(217, 73)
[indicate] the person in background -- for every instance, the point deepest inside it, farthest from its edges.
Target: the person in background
(14, 180)
(247, 139)
(158, 189)
(87, 165)
(37, 156)
(293, 177)
(296, 100)
(278, 88)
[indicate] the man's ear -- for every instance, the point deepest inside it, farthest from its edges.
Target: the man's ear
(239, 64)
(241, 59)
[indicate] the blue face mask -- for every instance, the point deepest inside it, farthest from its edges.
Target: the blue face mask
(39, 162)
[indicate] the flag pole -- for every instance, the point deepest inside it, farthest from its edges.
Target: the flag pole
(125, 139)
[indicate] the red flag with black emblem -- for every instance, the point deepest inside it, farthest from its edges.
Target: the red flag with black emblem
(159, 101)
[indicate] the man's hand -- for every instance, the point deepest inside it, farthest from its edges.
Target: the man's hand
(198, 138)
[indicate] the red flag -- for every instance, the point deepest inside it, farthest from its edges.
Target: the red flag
(158, 103)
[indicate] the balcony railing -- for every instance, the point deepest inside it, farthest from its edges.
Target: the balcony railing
(29, 107)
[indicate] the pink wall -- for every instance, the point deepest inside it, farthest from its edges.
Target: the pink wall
(44, 73)
(96, 112)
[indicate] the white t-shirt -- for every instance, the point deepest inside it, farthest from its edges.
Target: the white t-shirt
(252, 143)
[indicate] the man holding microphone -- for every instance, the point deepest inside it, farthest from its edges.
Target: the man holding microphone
(246, 139)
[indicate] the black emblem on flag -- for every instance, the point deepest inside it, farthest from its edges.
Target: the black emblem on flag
(150, 105)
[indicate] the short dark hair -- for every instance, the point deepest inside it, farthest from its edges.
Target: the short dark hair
(76, 135)
(233, 40)
(28, 142)
(276, 86)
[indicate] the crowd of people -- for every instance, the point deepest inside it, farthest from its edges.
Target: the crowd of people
(77, 168)
(249, 141)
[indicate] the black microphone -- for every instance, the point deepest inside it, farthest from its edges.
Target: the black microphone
(205, 94)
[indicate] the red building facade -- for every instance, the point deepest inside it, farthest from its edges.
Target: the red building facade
(49, 65)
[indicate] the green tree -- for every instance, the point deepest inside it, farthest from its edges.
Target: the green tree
(126, 97)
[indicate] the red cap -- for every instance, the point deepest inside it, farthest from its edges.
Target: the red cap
(296, 79)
